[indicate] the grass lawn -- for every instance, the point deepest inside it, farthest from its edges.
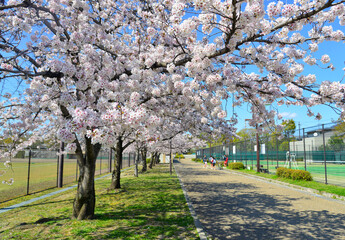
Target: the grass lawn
(151, 206)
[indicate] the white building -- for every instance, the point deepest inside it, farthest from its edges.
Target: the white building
(313, 141)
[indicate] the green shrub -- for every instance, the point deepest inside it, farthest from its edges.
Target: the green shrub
(148, 160)
(179, 156)
(236, 165)
(279, 171)
(20, 154)
(197, 160)
(294, 174)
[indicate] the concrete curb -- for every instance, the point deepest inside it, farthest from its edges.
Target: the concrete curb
(2, 210)
(197, 223)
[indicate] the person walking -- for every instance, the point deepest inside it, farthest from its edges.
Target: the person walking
(205, 161)
(213, 163)
(226, 159)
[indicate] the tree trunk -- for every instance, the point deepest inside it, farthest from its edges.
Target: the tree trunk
(157, 157)
(136, 174)
(85, 199)
(143, 156)
(153, 159)
(116, 175)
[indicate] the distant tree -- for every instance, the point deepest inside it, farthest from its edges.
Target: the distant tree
(245, 134)
(336, 143)
(289, 127)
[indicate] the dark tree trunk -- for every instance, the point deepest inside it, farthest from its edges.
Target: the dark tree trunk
(143, 156)
(136, 174)
(116, 175)
(157, 157)
(85, 199)
(152, 159)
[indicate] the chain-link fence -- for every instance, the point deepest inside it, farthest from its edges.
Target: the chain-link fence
(318, 149)
(34, 170)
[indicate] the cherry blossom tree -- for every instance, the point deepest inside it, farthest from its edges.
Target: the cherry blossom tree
(87, 70)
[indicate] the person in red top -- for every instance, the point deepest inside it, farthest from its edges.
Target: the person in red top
(226, 159)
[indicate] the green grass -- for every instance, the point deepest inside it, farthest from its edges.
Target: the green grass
(151, 206)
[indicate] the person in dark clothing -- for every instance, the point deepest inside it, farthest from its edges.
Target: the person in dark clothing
(205, 161)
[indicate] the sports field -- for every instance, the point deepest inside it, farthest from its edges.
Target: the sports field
(43, 175)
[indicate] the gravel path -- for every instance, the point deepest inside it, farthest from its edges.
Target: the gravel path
(234, 206)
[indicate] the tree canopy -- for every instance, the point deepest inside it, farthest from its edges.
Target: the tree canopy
(90, 70)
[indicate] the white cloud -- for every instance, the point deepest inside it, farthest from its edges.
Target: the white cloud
(288, 115)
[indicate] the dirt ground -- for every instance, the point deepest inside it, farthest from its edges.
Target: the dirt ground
(234, 206)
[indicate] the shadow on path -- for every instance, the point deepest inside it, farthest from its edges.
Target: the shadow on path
(238, 210)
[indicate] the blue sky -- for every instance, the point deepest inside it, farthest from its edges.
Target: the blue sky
(336, 51)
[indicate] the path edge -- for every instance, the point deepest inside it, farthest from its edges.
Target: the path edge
(197, 223)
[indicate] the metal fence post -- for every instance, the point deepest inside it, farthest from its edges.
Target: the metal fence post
(266, 152)
(57, 170)
(170, 163)
(257, 150)
(61, 160)
(110, 157)
(231, 150)
(289, 156)
(305, 153)
(245, 148)
(100, 164)
(324, 151)
(252, 155)
(277, 151)
(28, 181)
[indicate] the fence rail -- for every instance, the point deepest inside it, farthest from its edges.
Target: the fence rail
(35, 170)
(318, 149)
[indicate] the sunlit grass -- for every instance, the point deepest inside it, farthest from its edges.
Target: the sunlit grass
(151, 206)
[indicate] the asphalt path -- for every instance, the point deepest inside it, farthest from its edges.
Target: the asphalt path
(234, 206)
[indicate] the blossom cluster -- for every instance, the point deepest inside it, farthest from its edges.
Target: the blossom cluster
(104, 74)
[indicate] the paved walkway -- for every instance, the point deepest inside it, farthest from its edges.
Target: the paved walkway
(234, 206)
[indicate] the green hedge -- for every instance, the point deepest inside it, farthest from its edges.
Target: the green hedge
(236, 165)
(179, 156)
(197, 160)
(294, 174)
